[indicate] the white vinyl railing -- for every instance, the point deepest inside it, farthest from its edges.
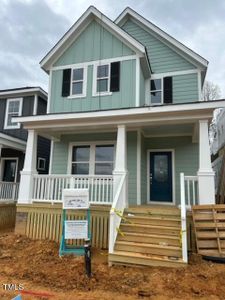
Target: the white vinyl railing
(191, 190)
(9, 190)
(48, 188)
(116, 212)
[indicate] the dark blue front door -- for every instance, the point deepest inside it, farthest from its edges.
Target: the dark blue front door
(161, 176)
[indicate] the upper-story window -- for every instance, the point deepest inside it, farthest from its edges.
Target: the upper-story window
(13, 109)
(106, 79)
(74, 82)
(161, 90)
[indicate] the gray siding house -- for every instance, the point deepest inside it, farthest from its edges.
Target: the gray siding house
(25, 101)
(127, 122)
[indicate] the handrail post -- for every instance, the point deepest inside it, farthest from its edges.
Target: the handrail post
(183, 219)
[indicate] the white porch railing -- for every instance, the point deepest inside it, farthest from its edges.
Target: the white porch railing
(48, 188)
(118, 205)
(9, 190)
(189, 196)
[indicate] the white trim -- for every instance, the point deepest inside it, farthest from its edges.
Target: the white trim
(147, 92)
(94, 82)
(35, 105)
(39, 161)
(92, 145)
(138, 167)
(51, 156)
(138, 66)
(161, 90)
(135, 112)
(16, 126)
(173, 176)
(93, 62)
(160, 33)
(49, 92)
(199, 87)
(24, 91)
(70, 36)
(84, 81)
(174, 73)
(3, 166)
(12, 139)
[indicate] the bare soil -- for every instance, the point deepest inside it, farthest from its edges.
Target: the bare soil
(37, 266)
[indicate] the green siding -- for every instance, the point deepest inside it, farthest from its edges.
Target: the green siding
(94, 43)
(142, 88)
(162, 58)
(186, 157)
(132, 167)
(124, 98)
(185, 88)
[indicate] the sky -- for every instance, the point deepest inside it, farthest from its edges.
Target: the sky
(30, 28)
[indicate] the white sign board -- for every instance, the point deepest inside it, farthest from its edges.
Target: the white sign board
(75, 199)
(76, 229)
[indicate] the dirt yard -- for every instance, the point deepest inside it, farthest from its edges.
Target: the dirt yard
(44, 275)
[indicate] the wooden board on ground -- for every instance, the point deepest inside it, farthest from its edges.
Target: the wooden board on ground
(210, 229)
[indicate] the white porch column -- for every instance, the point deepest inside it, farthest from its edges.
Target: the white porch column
(206, 188)
(121, 158)
(29, 169)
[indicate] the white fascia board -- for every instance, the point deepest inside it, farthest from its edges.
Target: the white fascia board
(12, 142)
(39, 91)
(125, 113)
(130, 12)
(91, 12)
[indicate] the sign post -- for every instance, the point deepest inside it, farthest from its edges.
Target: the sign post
(75, 199)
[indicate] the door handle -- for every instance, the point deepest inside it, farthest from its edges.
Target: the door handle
(150, 178)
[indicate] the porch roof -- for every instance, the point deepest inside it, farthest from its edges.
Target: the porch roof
(138, 117)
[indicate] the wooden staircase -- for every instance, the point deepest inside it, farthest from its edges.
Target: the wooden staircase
(149, 236)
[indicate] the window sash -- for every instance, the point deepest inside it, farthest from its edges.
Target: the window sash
(74, 81)
(100, 78)
(155, 91)
(13, 109)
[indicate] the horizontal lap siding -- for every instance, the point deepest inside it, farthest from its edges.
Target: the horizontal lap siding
(185, 88)
(124, 98)
(186, 156)
(132, 167)
(162, 58)
(94, 43)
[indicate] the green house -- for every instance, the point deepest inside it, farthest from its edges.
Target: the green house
(126, 120)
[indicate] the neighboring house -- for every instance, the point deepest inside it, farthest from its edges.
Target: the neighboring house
(126, 120)
(25, 101)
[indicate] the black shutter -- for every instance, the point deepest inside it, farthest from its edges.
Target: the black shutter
(168, 90)
(66, 82)
(115, 77)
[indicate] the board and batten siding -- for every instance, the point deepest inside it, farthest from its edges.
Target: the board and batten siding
(121, 99)
(186, 157)
(162, 58)
(94, 43)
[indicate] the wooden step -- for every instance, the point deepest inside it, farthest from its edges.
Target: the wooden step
(138, 259)
(154, 210)
(149, 238)
(160, 250)
(150, 229)
(151, 220)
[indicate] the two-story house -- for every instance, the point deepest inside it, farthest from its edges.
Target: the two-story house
(25, 101)
(126, 120)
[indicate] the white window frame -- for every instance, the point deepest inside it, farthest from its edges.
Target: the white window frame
(84, 90)
(17, 125)
(162, 91)
(92, 154)
(38, 163)
(94, 85)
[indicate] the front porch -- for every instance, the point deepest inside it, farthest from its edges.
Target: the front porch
(129, 162)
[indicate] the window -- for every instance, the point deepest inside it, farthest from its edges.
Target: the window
(41, 163)
(74, 82)
(156, 91)
(161, 90)
(92, 159)
(80, 160)
(106, 79)
(13, 109)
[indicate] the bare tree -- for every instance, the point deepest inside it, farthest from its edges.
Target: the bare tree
(211, 91)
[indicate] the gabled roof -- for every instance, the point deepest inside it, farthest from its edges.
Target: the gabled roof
(130, 13)
(90, 14)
